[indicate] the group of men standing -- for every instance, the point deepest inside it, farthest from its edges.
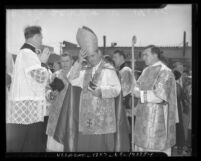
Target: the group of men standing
(89, 113)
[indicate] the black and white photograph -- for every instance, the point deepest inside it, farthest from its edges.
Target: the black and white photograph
(99, 80)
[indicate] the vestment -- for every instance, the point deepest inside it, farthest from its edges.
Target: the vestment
(94, 116)
(27, 103)
(156, 113)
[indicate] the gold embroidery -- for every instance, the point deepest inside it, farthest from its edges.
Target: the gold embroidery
(97, 115)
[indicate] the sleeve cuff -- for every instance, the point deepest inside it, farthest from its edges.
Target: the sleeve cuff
(143, 96)
(104, 91)
(151, 97)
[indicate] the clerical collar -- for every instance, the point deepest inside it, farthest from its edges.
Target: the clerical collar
(32, 48)
(122, 66)
(28, 46)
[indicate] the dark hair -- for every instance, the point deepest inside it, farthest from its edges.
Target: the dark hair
(30, 31)
(109, 59)
(121, 53)
(155, 50)
(177, 74)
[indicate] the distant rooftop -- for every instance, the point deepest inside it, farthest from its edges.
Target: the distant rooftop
(145, 46)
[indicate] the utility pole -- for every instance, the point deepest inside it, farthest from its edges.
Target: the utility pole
(104, 44)
(184, 46)
(60, 44)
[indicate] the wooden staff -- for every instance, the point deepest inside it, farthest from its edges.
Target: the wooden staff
(132, 101)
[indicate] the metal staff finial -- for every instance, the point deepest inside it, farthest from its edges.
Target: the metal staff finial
(134, 39)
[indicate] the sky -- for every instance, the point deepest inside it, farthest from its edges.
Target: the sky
(162, 27)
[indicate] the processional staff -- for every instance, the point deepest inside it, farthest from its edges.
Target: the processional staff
(132, 101)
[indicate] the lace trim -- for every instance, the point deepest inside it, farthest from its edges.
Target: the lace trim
(26, 111)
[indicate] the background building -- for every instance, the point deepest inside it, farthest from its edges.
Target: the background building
(171, 53)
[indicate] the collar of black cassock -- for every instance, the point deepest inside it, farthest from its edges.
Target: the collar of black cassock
(122, 66)
(28, 46)
(32, 48)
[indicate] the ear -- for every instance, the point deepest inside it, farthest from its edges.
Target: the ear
(35, 36)
(122, 57)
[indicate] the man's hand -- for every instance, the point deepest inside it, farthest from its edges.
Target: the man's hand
(53, 95)
(44, 55)
(82, 55)
(136, 92)
(97, 92)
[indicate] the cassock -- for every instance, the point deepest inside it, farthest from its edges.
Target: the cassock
(26, 106)
(156, 113)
